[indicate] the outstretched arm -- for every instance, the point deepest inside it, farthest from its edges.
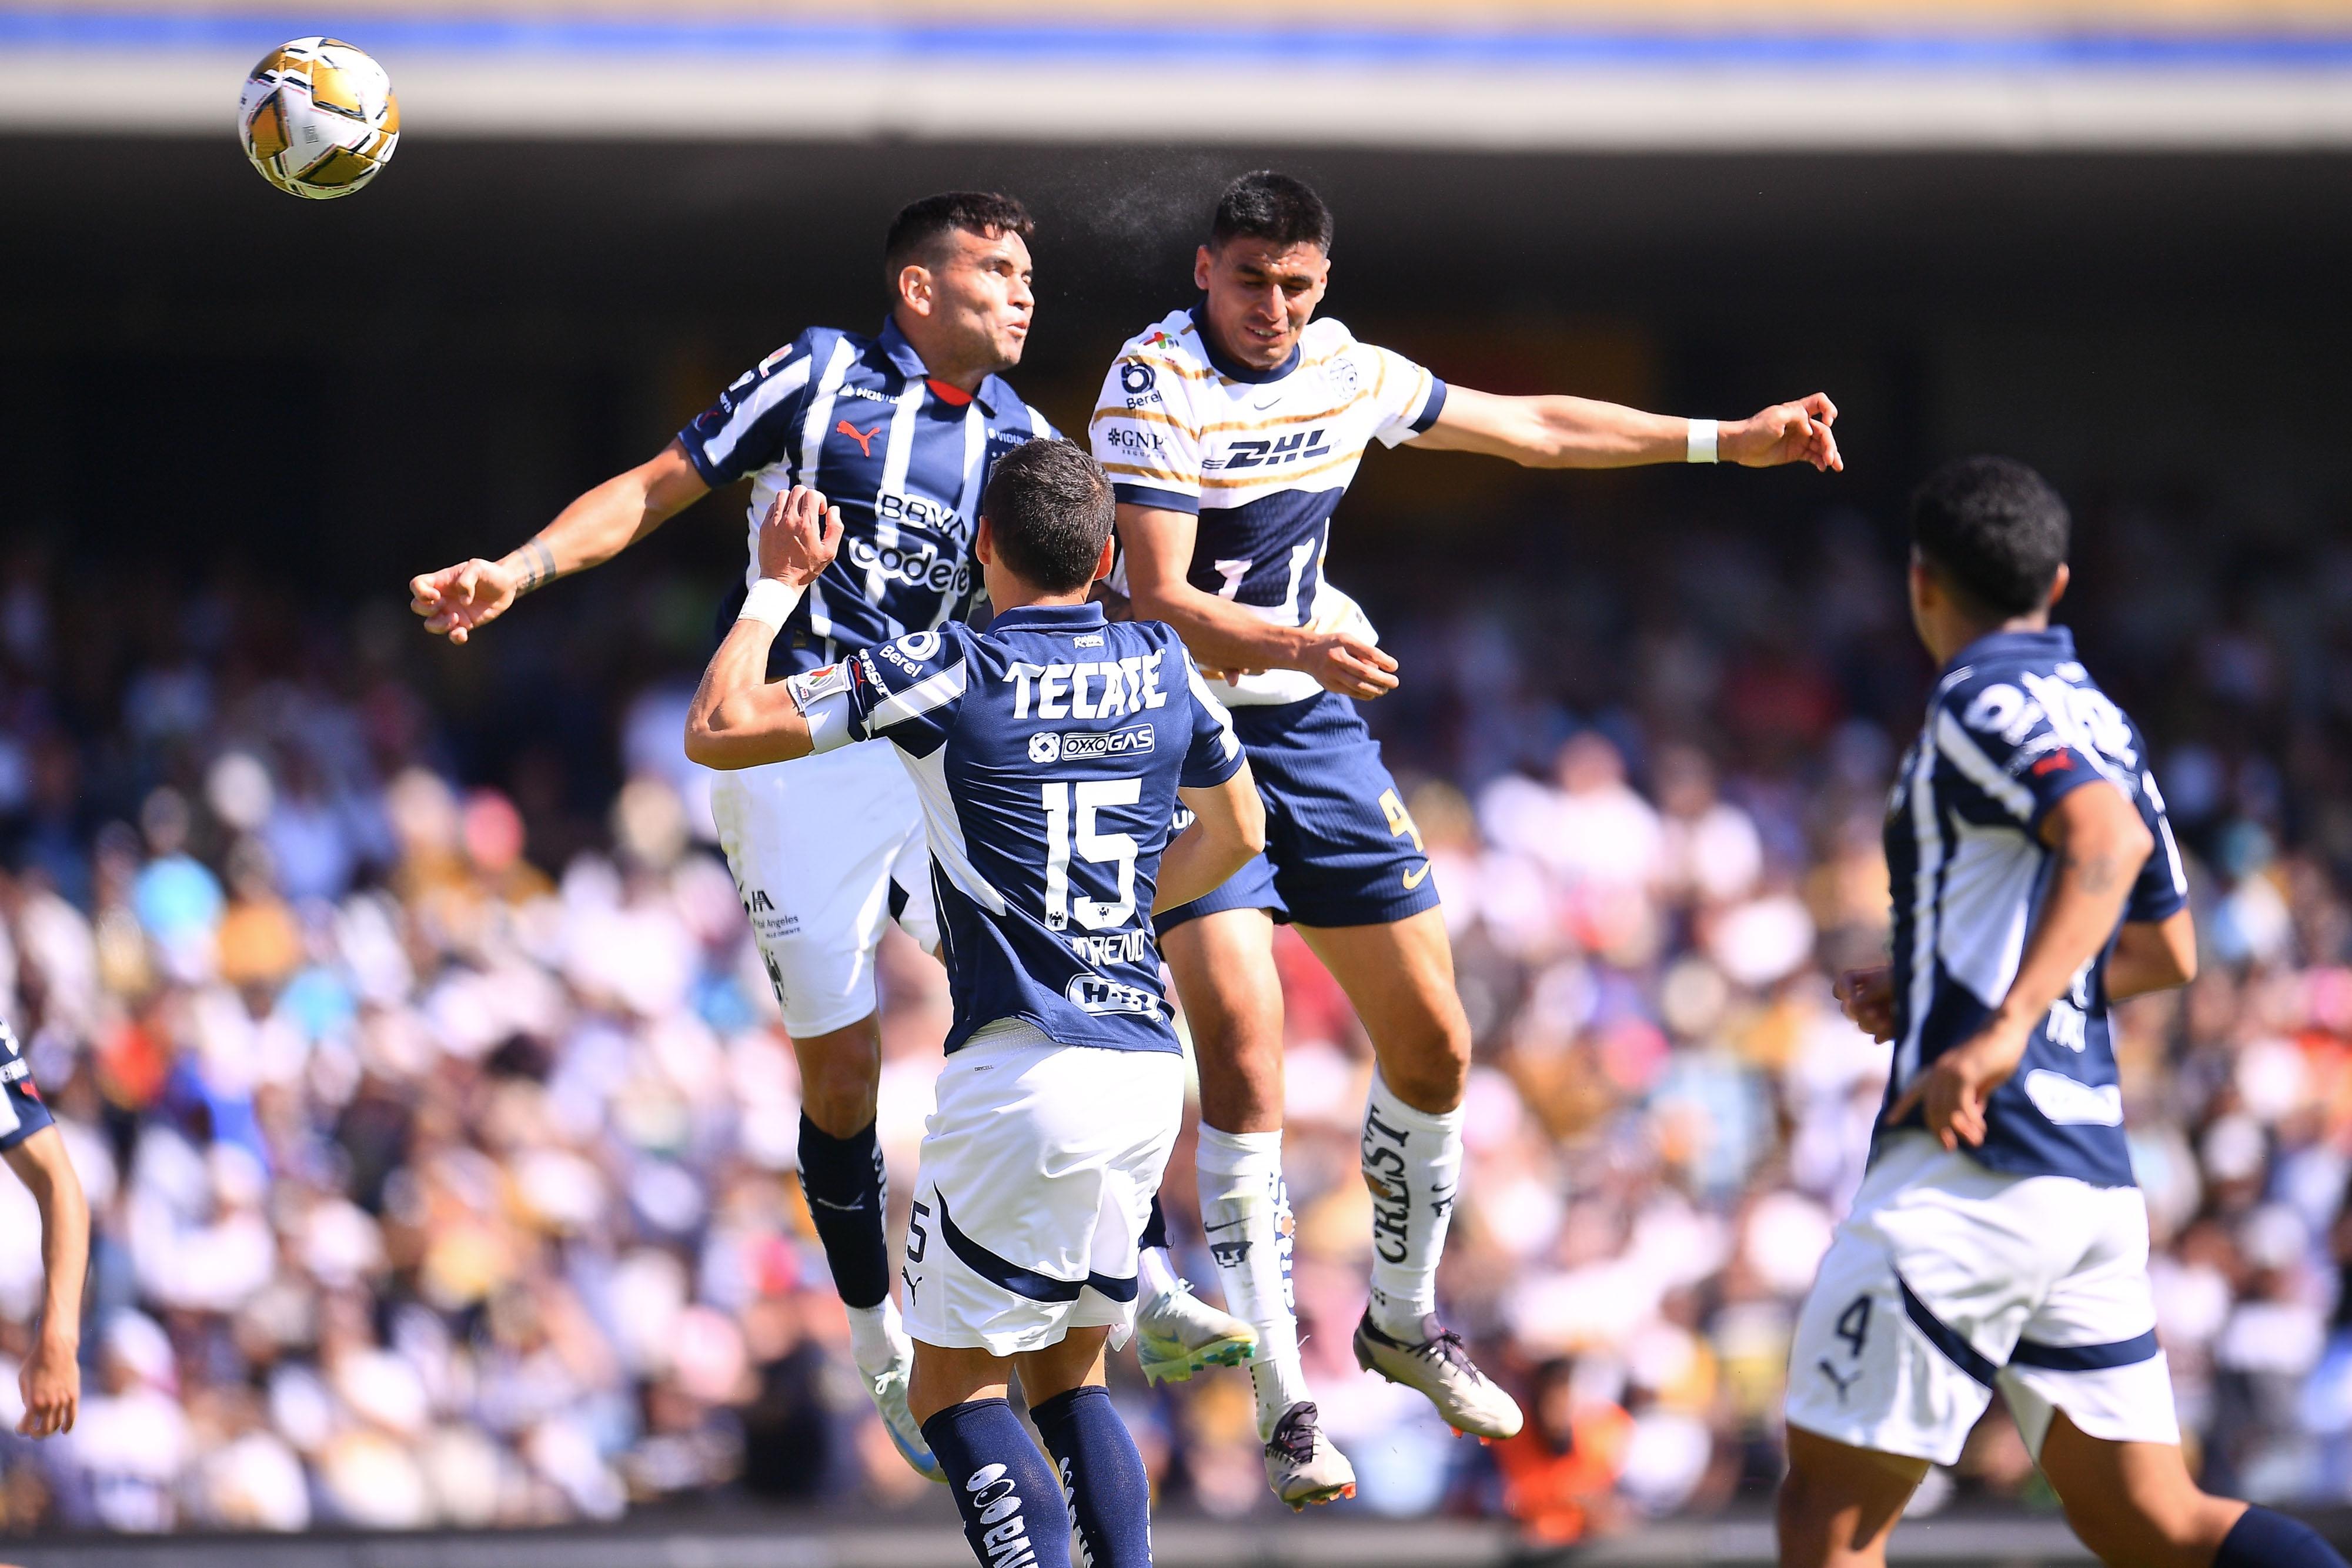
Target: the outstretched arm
(739, 718)
(1578, 433)
(52, 1379)
(459, 599)
(1228, 828)
(2100, 843)
(1222, 634)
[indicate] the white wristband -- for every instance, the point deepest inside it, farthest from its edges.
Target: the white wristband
(771, 603)
(1701, 441)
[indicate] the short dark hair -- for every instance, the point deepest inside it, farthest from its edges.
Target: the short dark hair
(1049, 508)
(916, 232)
(1994, 530)
(1273, 207)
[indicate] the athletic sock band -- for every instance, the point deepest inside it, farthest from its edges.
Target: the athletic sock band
(2264, 1539)
(1245, 1209)
(1012, 1511)
(846, 1197)
(1102, 1476)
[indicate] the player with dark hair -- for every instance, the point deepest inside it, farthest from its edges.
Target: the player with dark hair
(50, 1380)
(1050, 752)
(903, 429)
(1233, 428)
(1999, 1240)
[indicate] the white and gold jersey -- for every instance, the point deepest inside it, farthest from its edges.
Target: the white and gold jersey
(1263, 456)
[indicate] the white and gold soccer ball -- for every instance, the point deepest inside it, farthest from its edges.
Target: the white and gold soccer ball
(318, 117)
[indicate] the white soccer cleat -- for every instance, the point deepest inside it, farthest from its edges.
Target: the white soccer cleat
(889, 1387)
(1301, 1465)
(1439, 1367)
(1176, 1334)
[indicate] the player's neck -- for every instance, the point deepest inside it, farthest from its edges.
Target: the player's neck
(939, 361)
(1959, 635)
(1026, 598)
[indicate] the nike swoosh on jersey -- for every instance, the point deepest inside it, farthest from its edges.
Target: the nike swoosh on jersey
(1413, 879)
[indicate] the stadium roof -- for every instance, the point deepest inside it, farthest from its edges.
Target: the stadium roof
(1701, 75)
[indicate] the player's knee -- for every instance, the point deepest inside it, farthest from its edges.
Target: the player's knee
(1432, 1074)
(841, 1073)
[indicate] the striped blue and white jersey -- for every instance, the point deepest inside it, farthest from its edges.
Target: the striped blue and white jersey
(22, 1114)
(903, 456)
(1047, 751)
(1263, 456)
(2016, 723)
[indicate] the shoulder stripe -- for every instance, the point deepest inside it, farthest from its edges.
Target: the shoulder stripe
(1979, 770)
(752, 409)
(934, 690)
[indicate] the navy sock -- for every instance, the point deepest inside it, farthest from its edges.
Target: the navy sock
(2261, 1539)
(842, 1180)
(1012, 1512)
(1155, 1229)
(1109, 1495)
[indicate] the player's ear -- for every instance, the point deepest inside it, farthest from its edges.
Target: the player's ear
(984, 543)
(1200, 269)
(1110, 554)
(915, 287)
(2058, 582)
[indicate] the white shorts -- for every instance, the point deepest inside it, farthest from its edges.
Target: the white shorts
(1038, 1170)
(1949, 1280)
(824, 850)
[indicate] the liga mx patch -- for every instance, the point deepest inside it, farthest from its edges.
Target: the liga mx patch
(815, 686)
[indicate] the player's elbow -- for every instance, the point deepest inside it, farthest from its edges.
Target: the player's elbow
(707, 742)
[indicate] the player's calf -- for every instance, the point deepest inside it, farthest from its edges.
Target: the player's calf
(1013, 1508)
(2134, 1503)
(1103, 1476)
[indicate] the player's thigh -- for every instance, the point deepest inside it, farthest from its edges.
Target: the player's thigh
(1399, 977)
(2134, 1503)
(811, 844)
(1076, 1363)
(1839, 1504)
(1225, 977)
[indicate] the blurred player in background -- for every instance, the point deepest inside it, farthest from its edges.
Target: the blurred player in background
(1233, 429)
(50, 1381)
(902, 430)
(1999, 1239)
(1050, 752)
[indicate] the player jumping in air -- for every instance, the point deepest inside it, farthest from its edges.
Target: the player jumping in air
(50, 1381)
(902, 429)
(1233, 429)
(1050, 753)
(1999, 1240)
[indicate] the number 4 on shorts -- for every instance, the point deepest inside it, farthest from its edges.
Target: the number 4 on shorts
(1853, 1325)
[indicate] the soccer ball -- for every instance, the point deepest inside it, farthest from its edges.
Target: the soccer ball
(318, 118)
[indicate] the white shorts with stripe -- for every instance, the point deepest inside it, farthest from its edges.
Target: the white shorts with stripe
(825, 849)
(1038, 1170)
(1949, 1280)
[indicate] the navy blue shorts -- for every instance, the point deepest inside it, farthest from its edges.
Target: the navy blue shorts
(1340, 848)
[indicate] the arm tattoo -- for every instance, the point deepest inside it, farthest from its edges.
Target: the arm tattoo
(2094, 873)
(538, 563)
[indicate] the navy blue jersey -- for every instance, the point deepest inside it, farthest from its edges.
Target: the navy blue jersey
(1047, 751)
(22, 1114)
(2015, 724)
(904, 457)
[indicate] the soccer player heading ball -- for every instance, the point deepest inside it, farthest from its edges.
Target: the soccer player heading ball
(1050, 753)
(1233, 429)
(1999, 1240)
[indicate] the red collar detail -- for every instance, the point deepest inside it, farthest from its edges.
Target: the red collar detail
(953, 396)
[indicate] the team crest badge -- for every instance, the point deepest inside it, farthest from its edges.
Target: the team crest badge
(1044, 746)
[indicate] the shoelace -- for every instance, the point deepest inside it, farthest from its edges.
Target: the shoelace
(1447, 1349)
(1295, 1436)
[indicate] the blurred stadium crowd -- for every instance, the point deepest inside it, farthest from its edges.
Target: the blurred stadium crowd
(410, 1042)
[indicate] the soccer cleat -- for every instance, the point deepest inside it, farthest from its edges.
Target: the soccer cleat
(1176, 1334)
(889, 1387)
(1301, 1465)
(1439, 1367)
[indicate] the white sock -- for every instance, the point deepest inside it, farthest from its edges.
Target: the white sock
(1245, 1209)
(1412, 1163)
(1157, 1270)
(877, 1337)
